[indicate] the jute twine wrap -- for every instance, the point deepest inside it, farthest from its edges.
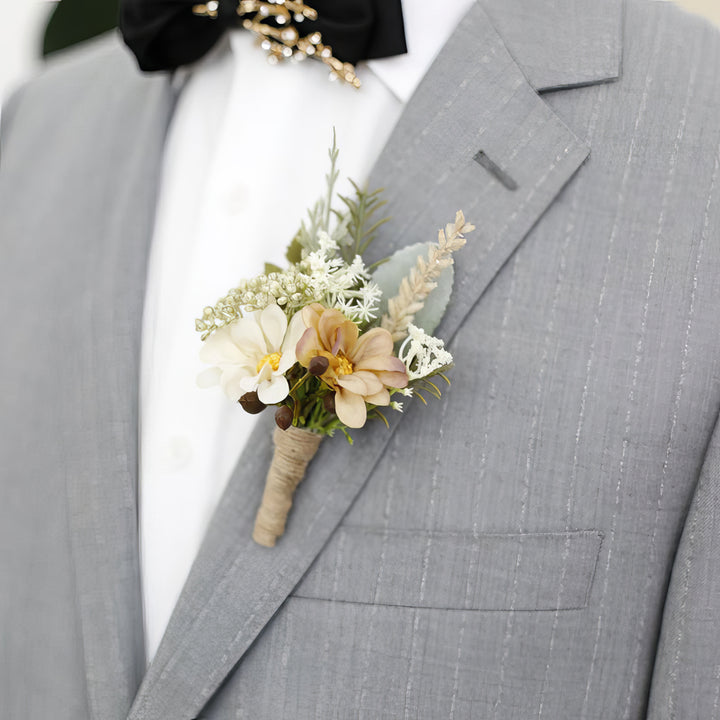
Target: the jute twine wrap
(294, 449)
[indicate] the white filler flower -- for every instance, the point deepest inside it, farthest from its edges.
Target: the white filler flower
(423, 354)
(253, 353)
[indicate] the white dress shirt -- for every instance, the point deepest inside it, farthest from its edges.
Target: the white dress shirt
(246, 155)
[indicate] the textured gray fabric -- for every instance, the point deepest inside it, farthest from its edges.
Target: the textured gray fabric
(73, 246)
(687, 671)
(440, 560)
(204, 640)
(505, 553)
(561, 43)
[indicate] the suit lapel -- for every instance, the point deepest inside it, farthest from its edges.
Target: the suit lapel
(475, 137)
(474, 110)
(561, 43)
(105, 258)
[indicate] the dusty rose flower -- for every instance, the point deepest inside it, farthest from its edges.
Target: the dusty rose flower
(360, 369)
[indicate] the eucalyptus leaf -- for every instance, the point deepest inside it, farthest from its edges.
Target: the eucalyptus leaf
(390, 274)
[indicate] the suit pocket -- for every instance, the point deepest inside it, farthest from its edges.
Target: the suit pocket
(456, 571)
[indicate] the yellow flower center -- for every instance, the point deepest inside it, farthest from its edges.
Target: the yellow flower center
(273, 360)
(345, 367)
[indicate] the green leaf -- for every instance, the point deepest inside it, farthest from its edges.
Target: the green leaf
(270, 268)
(294, 251)
(389, 275)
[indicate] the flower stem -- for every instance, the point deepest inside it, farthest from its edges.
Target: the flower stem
(298, 384)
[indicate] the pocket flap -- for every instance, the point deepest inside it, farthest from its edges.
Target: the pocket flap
(455, 571)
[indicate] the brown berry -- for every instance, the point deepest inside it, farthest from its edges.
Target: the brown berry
(283, 417)
(318, 365)
(251, 403)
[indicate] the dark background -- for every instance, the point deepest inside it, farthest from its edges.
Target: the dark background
(73, 21)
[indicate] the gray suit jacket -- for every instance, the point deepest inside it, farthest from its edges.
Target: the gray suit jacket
(543, 543)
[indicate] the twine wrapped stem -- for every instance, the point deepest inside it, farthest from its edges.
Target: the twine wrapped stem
(294, 449)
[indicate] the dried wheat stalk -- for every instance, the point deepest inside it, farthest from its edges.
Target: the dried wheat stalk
(415, 287)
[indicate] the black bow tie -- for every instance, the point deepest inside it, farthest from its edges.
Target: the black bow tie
(165, 34)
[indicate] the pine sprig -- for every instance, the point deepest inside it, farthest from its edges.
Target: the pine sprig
(361, 230)
(306, 238)
(415, 287)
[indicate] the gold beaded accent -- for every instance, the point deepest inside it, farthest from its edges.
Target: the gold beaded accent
(284, 42)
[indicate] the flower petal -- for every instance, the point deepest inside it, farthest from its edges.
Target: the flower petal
(274, 390)
(219, 348)
(248, 336)
(307, 347)
(208, 378)
(248, 383)
(381, 398)
(287, 360)
(350, 408)
(371, 382)
(381, 362)
(336, 332)
(311, 314)
(273, 323)
(296, 329)
(377, 341)
(353, 383)
(232, 384)
(393, 379)
(266, 372)
(390, 370)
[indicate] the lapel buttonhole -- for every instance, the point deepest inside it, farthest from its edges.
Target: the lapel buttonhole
(495, 170)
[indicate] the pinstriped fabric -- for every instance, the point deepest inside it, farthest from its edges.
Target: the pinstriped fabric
(510, 554)
(482, 470)
(569, 232)
(631, 397)
(686, 680)
(549, 57)
(662, 236)
(584, 394)
(207, 635)
(687, 672)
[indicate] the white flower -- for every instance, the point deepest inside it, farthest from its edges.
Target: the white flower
(423, 354)
(326, 244)
(253, 353)
(358, 269)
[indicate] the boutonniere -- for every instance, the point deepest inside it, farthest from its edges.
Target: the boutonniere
(328, 341)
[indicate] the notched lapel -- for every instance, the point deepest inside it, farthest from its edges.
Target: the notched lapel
(475, 98)
(561, 43)
(475, 137)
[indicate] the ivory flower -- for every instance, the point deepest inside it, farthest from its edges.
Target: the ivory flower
(253, 353)
(361, 368)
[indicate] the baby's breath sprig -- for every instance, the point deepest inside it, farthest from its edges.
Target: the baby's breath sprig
(320, 277)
